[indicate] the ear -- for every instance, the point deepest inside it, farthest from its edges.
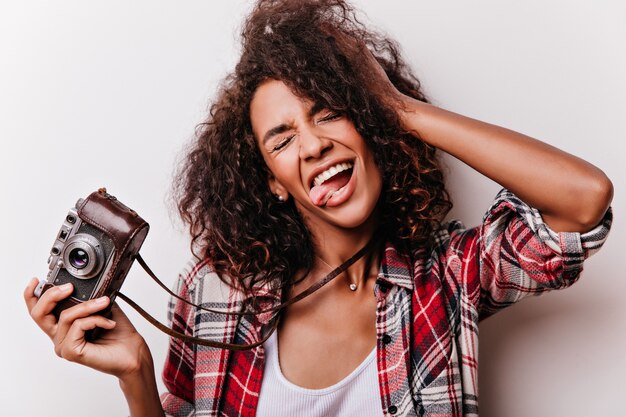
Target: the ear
(277, 188)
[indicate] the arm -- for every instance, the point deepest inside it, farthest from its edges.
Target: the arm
(571, 194)
(141, 391)
(515, 253)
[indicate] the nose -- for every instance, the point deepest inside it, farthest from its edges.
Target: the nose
(313, 145)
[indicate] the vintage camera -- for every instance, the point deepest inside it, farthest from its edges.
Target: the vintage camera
(94, 249)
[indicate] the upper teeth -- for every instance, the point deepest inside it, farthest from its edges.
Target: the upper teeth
(331, 172)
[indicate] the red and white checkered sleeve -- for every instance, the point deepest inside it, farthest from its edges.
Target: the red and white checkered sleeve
(178, 371)
(519, 255)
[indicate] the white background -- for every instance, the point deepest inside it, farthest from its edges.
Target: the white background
(106, 94)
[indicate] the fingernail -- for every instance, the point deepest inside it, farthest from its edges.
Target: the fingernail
(65, 287)
(101, 300)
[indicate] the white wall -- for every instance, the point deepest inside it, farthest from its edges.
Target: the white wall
(105, 94)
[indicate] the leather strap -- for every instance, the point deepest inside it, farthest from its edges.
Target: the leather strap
(197, 340)
(277, 309)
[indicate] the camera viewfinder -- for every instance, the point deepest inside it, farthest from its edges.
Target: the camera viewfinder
(63, 234)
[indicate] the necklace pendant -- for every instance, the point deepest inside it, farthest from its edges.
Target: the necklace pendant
(353, 287)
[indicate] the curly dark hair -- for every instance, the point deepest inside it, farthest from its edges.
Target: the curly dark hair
(222, 186)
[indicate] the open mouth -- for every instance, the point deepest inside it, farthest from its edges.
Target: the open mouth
(330, 182)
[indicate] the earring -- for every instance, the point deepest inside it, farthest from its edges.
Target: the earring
(280, 198)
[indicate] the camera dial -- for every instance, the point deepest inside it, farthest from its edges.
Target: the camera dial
(83, 256)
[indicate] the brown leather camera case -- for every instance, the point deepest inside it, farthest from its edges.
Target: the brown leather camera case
(128, 232)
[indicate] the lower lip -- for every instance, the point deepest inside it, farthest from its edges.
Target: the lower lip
(344, 193)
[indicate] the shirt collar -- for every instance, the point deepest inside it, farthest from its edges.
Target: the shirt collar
(396, 268)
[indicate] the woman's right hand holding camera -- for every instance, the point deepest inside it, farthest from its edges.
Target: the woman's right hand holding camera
(120, 351)
(116, 352)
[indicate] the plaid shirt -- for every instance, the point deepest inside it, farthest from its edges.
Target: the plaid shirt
(427, 313)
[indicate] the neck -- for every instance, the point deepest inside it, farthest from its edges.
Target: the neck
(333, 247)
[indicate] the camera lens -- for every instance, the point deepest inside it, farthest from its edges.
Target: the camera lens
(78, 258)
(83, 256)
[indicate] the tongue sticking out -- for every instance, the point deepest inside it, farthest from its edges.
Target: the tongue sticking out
(320, 194)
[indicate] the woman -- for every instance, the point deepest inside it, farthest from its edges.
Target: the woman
(319, 144)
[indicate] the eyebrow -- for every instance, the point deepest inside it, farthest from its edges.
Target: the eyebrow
(283, 127)
(277, 130)
(316, 108)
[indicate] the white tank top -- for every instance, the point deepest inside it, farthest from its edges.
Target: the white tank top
(358, 394)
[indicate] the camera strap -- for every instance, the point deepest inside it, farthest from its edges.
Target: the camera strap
(273, 323)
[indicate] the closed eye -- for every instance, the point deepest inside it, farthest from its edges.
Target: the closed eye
(284, 142)
(329, 117)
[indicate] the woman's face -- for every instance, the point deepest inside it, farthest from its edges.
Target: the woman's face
(316, 157)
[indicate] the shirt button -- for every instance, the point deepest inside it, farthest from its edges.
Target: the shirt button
(384, 287)
(570, 274)
(386, 340)
(392, 409)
